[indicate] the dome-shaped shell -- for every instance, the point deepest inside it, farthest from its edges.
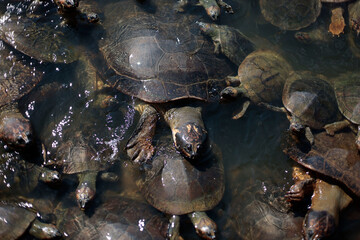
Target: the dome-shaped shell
(289, 14)
(260, 73)
(159, 57)
(176, 186)
(347, 90)
(311, 99)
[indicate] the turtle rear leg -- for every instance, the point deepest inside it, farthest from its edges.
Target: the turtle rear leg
(86, 189)
(42, 230)
(205, 227)
(139, 147)
(326, 203)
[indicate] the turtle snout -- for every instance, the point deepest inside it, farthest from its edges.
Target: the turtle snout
(84, 195)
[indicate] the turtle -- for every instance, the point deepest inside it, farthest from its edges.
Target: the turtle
(228, 41)
(162, 58)
(212, 7)
(16, 221)
(310, 103)
(116, 217)
(290, 15)
(334, 164)
(259, 74)
(337, 24)
(347, 90)
(176, 187)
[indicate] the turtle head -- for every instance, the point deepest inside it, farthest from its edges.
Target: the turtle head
(213, 11)
(84, 194)
(209, 29)
(190, 139)
(318, 225)
(16, 131)
(66, 4)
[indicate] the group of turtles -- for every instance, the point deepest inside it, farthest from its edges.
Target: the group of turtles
(174, 61)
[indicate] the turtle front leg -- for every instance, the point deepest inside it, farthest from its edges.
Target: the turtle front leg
(326, 203)
(226, 6)
(139, 147)
(42, 230)
(205, 227)
(336, 126)
(303, 186)
(188, 131)
(86, 189)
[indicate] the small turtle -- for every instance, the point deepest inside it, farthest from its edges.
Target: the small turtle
(259, 74)
(228, 41)
(162, 58)
(337, 24)
(310, 103)
(175, 186)
(116, 218)
(290, 15)
(15, 221)
(212, 7)
(347, 90)
(332, 157)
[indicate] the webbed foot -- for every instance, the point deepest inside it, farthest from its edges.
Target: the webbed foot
(300, 190)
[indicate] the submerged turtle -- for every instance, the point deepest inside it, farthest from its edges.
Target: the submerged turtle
(162, 58)
(310, 103)
(212, 7)
(259, 74)
(347, 90)
(116, 218)
(15, 221)
(332, 157)
(175, 186)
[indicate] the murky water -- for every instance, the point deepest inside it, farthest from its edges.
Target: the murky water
(251, 146)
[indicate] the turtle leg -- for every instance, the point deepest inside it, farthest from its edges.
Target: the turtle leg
(89, 10)
(205, 227)
(42, 230)
(173, 229)
(188, 131)
(226, 6)
(15, 130)
(337, 24)
(323, 217)
(212, 8)
(139, 147)
(336, 126)
(180, 5)
(303, 187)
(86, 189)
(245, 106)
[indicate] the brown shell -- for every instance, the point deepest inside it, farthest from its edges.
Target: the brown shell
(260, 73)
(311, 99)
(14, 221)
(334, 1)
(176, 186)
(17, 77)
(333, 156)
(289, 14)
(347, 90)
(161, 57)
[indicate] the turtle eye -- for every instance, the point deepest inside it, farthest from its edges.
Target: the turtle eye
(188, 148)
(20, 140)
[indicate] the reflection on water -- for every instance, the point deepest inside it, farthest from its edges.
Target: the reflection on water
(68, 100)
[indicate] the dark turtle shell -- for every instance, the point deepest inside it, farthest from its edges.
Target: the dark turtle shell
(290, 15)
(347, 90)
(334, 156)
(175, 186)
(311, 99)
(161, 56)
(260, 73)
(115, 218)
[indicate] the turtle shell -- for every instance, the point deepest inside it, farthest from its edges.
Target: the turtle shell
(311, 99)
(161, 56)
(14, 221)
(17, 76)
(334, 156)
(290, 15)
(175, 186)
(116, 218)
(260, 73)
(347, 90)
(45, 39)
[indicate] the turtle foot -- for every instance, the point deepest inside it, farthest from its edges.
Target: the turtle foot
(318, 225)
(205, 227)
(15, 130)
(300, 190)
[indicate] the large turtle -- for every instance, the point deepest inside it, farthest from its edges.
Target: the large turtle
(347, 90)
(162, 58)
(310, 103)
(175, 186)
(116, 218)
(335, 165)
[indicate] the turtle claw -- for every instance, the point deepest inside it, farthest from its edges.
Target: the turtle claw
(140, 151)
(300, 190)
